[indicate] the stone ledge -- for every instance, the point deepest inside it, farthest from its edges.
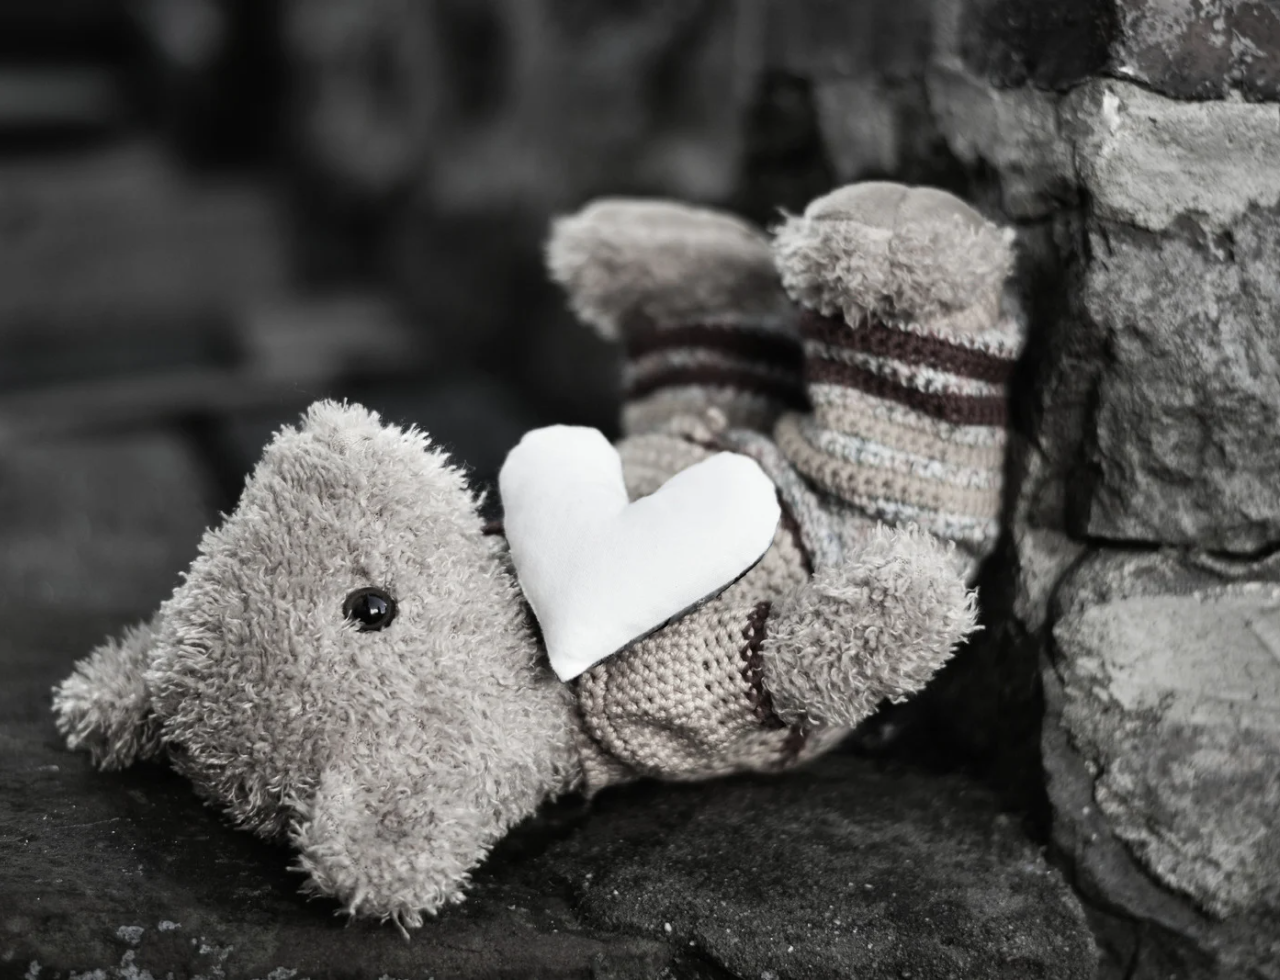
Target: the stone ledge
(840, 869)
(1147, 160)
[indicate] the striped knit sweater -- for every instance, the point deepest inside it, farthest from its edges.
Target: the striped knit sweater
(908, 354)
(688, 701)
(908, 425)
(871, 391)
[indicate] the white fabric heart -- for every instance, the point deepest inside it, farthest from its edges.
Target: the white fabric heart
(601, 571)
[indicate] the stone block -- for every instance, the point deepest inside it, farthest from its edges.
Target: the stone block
(1040, 550)
(1176, 699)
(1184, 49)
(1189, 391)
(1200, 49)
(1147, 160)
(1162, 747)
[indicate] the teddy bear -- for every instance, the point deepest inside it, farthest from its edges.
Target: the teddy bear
(351, 663)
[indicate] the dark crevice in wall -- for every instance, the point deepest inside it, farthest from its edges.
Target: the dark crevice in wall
(1050, 46)
(785, 161)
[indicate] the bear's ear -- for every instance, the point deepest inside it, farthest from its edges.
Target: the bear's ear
(104, 707)
(621, 260)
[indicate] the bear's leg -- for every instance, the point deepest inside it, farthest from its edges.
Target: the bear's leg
(876, 626)
(908, 350)
(692, 297)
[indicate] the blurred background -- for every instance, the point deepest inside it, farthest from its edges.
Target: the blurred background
(213, 212)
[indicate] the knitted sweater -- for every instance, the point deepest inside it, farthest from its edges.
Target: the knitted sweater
(687, 702)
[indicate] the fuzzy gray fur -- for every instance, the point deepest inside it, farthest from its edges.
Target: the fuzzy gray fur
(666, 262)
(877, 626)
(394, 759)
(105, 707)
(895, 250)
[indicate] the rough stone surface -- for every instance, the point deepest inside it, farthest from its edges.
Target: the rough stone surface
(1200, 49)
(1042, 551)
(1184, 49)
(1191, 381)
(847, 871)
(840, 870)
(1162, 746)
(1012, 43)
(1177, 699)
(1146, 159)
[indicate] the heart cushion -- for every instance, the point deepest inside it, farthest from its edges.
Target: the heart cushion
(600, 571)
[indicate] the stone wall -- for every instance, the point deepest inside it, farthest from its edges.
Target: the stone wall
(1144, 510)
(1135, 146)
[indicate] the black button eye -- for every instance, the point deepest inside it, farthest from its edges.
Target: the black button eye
(370, 609)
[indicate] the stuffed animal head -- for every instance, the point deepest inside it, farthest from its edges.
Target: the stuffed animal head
(347, 662)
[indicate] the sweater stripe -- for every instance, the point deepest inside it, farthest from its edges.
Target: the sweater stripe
(953, 408)
(877, 338)
(786, 391)
(768, 346)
